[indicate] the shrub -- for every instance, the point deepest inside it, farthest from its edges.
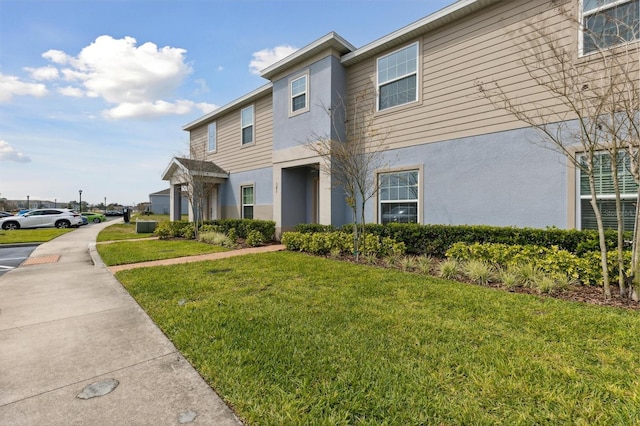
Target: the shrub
(584, 268)
(171, 229)
(407, 263)
(479, 271)
(243, 226)
(450, 269)
(216, 238)
(424, 264)
(508, 277)
(325, 242)
(255, 238)
(188, 231)
(233, 236)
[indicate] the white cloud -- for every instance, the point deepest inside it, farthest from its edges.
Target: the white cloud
(43, 73)
(56, 56)
(266, 57)
(155, 109)
(11, 86)
(121, 72)
(8, 153)
(71, 91)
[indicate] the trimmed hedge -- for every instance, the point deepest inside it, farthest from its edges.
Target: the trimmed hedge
(240, 228)
(435, 240)
(337, 242)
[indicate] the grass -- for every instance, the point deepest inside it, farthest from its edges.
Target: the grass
(31, 235)
(122, 252)
(121, 231)
(287, 338)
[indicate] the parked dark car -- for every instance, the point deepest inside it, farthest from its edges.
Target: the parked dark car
(5, 214)
(401, 214)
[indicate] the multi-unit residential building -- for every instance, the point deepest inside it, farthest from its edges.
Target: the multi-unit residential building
(450, 156)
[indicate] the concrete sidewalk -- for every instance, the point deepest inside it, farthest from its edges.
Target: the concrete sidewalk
(66, 323)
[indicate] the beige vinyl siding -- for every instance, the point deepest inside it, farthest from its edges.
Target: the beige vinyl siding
(231, 155)
(453, 59)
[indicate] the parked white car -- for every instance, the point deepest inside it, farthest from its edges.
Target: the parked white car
(42, 218)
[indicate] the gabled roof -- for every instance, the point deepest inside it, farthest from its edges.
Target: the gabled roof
(351, 54)
(444, 16)
(246, 99)
(332, 40)
(194, 167)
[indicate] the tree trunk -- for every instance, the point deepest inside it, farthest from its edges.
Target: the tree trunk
(620, 248)
(601, 238)
(635, 258)
(356, 246)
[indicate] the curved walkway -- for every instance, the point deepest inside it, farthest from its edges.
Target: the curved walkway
(197, 258)
(76, 349)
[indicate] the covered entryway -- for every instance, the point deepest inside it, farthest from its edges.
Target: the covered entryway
(300, 195)
(200, 181)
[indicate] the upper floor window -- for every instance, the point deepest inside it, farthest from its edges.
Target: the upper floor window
(212, 137)
(398, 77)
(247, 125)
(608, 23)
(299, 88)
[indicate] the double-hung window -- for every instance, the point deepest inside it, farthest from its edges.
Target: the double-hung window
(605, 194)
(247, 123)
(607, 23)
(299, 89)
(211, 146)
(397, 77)
(398, 197)
(247, 201)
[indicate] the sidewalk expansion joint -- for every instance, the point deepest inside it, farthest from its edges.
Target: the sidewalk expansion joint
(39, 260)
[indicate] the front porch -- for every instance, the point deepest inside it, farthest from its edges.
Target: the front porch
(200, 181)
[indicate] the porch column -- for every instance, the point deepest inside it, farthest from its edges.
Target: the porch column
(175, 201)
(191, 202)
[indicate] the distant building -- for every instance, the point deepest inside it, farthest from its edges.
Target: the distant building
(159, 202)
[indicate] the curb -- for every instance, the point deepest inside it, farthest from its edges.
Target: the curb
(20, 245)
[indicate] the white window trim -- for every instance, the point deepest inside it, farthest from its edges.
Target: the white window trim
(242, 204)
(417, 73)
(293, 113)
(420, 169)
(215, 149)
(581, 28)
(579, 197)
(253, 126)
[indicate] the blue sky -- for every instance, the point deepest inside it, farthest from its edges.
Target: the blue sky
(94, 94)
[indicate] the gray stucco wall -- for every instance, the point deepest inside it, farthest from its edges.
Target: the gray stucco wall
(261, 179)
(325, 77)
(160, 204)
(501, 179)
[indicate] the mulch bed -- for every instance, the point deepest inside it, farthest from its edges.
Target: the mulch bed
(575, 293)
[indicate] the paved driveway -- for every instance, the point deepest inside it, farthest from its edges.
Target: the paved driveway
(12, 257)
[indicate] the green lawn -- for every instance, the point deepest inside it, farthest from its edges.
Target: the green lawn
(31, 235)
(122, 252)
(121, 231)
(287, 338)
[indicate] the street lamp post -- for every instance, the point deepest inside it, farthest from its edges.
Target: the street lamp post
(80, 193)
(105, 205)
(28, 205)
(55, 203)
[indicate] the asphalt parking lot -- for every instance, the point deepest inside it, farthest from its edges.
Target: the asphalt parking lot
(12, 257)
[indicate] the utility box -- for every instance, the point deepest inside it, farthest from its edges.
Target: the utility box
(145, 226)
